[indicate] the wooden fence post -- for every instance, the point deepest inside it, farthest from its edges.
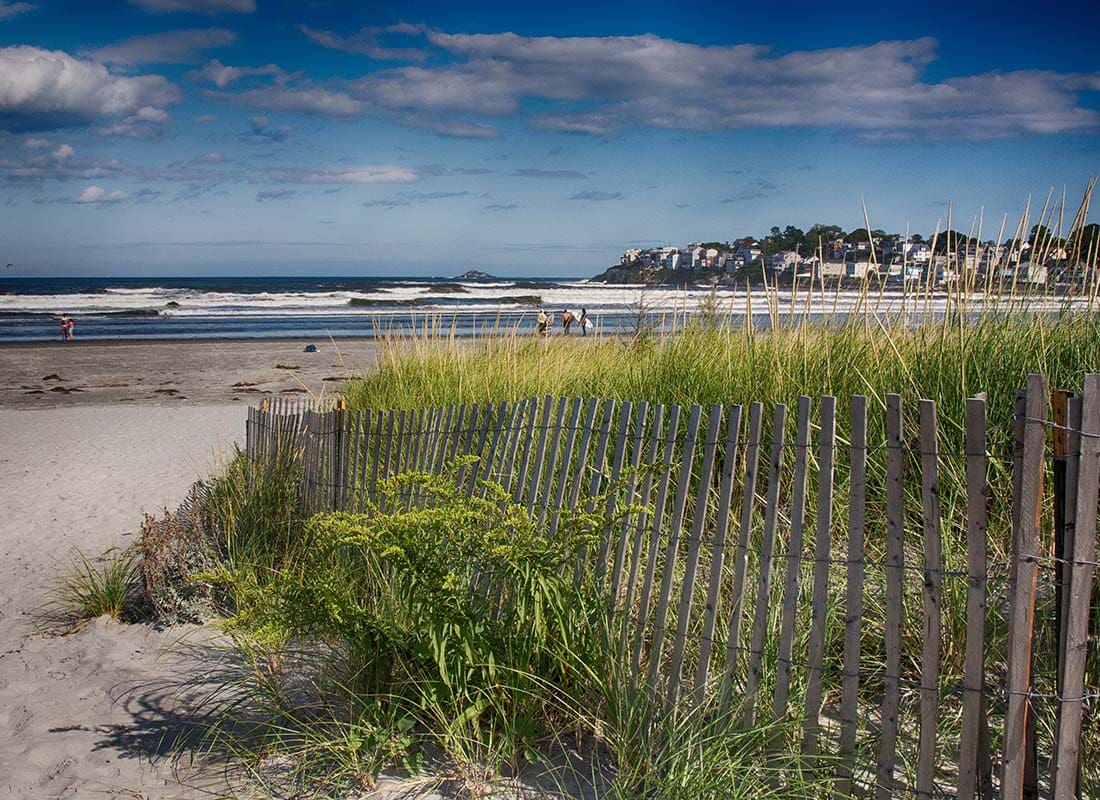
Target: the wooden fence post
(1022, 613)
(1071, 702)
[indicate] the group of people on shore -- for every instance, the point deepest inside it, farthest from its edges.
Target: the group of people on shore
(67, 326)
(544, 321)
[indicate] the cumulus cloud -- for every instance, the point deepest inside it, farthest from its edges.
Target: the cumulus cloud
(197, 6)
(99, 195)
(33, 143)
(169, 47)
(596, 196)
(63, 152)
(374, 173)
(8, 9)
(753, 190)
(146, 123)
(259, 128)
(209, 158)
(48, 89)
(221, 75)
(601, 85)
(501, 207)
(202, 119)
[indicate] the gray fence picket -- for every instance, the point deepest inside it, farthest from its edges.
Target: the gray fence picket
(651, 455)
(656, 527)
(552, 460)
(764, 573)
(717, 553)
(826, 451)
(853, 603)
(596, 479)
(1071, 706)
(741, 550)
(933, 579)
(1022, 618)
(637, 446)
(548, 404)
(672, 549)
(895, 577)
(622, 437)
(527, 434)
(702, 503)
(567, 462)
(974, 659)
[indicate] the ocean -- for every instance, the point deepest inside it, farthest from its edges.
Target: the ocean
(316, 308)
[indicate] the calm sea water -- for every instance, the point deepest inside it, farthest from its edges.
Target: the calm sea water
(315, 308)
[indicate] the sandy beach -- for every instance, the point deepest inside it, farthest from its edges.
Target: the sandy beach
(181, 373)
(86, 712)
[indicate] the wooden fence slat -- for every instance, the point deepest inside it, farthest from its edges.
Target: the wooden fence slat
(933, 579)
(567, 462)
(365, 460)
(826, 450)
(354, 461)
(484, 428)
(741, 552)
(596, 480)
(391, 424)
(1071, 706)
(489, 459)
(540, 454)
(718, 552)
(1069, 529)
(656, 527)
(552, 460)
(702, 502)
(974, 658)
(582, 455)
(853, 603)
(527, 434)
(443, 440)
(764, 576)
(512, 437)
(622, 437)
(687, 455)
(895, 581)
(794, 561)
(1022, 619)
(637, 445)
(652, 454)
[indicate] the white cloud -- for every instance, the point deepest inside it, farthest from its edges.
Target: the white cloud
(197, 6)
(202, 119)
(169, 47)
(97, 194)
(32, 143)
(146, 123)
(375, 173)
(209, 158)
(48, 89)
(368, 41)
(8, 9)
(63, 152)
(221, 75)
(600, 85)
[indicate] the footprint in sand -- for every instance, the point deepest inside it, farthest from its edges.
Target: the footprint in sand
(20, 719)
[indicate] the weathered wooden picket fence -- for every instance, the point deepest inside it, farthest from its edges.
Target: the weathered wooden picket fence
(894, 701)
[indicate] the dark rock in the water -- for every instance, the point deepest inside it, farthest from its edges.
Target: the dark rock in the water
(133, 312)
(171, 304)
(522, 299)
(366, 301)
(475, 275)
(447, 288)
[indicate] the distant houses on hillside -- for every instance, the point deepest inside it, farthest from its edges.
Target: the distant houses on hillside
(894, 258)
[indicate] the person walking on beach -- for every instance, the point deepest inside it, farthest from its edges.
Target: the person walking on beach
(542, 322)
(584, 322)
(64, 327)
(567, 319)
(69, 325)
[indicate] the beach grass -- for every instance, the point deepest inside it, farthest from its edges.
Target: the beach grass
(108, 589)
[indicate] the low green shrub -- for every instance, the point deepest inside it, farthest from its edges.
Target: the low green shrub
(111, 589)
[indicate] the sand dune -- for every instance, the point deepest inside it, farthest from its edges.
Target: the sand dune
(85, 713)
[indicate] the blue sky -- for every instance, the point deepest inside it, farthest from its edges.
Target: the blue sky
(269, 136)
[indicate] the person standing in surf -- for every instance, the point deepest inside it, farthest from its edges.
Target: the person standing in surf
(584, 322)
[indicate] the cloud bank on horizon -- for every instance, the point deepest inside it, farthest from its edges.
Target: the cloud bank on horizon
(216, 107)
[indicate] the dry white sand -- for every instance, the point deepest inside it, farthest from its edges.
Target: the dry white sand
(85, 714)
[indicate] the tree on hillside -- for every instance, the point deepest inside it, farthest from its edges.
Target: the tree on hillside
(816, 234)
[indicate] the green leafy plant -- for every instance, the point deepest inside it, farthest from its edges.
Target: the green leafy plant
(110, 589)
